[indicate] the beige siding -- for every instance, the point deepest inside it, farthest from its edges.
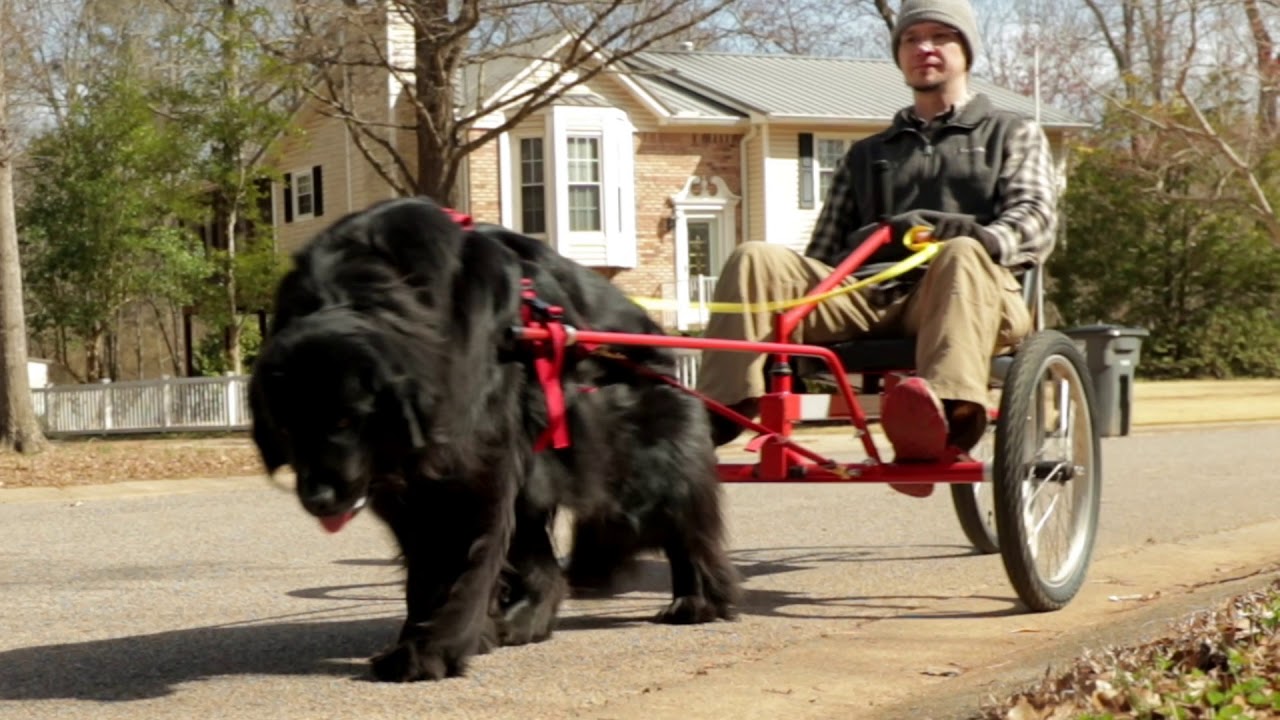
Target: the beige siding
(350, 182)
(786, 223)
(754, 197)
(400, 42)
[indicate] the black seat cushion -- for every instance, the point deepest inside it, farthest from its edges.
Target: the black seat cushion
(876, 355)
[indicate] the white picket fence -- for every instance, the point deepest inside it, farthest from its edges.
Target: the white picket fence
(146, 406)
(206, 404)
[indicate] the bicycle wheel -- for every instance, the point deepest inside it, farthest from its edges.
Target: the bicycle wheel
(1048, 472)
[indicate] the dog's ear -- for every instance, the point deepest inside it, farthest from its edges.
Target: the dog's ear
(266, 435)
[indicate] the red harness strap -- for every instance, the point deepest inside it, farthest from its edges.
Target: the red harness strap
(548, 363)
(461, 218)
(548, 355)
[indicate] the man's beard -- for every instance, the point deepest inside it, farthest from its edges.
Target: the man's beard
(927, 87)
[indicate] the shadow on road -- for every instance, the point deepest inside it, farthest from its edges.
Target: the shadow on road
(650, 576)
(152, 666)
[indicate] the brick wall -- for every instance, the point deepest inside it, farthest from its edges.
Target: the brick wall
(484, 195)
(664, 163)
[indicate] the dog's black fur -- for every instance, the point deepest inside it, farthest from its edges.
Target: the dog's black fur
(389, 375)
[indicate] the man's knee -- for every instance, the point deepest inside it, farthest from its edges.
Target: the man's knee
(757, 259)
(962, 249)
(758, 251)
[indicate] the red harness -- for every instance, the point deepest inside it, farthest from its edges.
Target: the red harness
(548, 355)
(548, 363)
(461, 218)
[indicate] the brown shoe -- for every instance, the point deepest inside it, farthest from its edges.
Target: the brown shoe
(725, 430)
(966, 424)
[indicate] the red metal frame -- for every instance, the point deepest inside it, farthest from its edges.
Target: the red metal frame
(781, 458)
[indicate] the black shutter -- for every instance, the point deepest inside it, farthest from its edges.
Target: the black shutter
(288, 198)
(317, 191)
(806, 171)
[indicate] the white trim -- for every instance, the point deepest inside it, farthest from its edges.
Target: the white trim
(646, 99)
(506, 195)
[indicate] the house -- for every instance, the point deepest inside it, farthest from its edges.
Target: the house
(653, 171)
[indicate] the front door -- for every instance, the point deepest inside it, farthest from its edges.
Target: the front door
(704, 259)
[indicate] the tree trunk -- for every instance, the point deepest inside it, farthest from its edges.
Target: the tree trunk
(19, 427)
(94, 366)
(234, 362)
(233, 152)
(435, 63)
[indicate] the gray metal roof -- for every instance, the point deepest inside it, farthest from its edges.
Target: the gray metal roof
(681, 102)
(782, 86)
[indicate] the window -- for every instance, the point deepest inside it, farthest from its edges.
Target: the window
(830, 152)
(568, 178)
(584, 184)
(533, 189)
(303, 194)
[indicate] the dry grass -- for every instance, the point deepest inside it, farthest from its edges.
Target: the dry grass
(108, 460)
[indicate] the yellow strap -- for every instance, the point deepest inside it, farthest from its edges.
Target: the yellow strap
(923, 250)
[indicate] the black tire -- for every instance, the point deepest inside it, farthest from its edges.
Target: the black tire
(975, 503)
(1039, 456)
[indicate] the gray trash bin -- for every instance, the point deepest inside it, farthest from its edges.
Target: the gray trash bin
(1112, 353)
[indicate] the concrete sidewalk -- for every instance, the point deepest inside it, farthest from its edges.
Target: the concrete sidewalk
(1180, 402)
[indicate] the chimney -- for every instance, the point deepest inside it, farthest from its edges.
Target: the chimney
(686, 45)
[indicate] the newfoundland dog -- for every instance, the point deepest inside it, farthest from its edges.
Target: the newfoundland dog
(391, 379)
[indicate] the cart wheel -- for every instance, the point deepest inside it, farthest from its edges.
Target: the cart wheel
(1048, 471)
(975, 502)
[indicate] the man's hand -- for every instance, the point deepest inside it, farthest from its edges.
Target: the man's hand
(954, 225)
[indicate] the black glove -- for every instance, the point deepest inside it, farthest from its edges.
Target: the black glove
(954, 225)
(903, 222)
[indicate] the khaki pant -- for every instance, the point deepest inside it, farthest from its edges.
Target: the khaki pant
(963, 311)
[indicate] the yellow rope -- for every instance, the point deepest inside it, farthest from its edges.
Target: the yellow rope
(923, 251)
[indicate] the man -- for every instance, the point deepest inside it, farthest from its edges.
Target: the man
(981, 178)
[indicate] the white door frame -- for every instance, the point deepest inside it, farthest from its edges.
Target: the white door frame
(702, 198)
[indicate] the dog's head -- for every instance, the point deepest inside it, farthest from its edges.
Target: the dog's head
(330, 399)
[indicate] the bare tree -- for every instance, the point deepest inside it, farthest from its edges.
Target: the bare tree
(19, 427)
(450, 48)
(808, 27)
(1196, 90)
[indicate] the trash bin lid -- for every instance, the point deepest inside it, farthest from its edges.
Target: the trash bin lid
(1105, 330)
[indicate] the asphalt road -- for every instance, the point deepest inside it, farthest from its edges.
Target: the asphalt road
(223, 599)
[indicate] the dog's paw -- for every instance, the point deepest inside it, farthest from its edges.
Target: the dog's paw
(689, 610)
(409, 662)
(527, 622)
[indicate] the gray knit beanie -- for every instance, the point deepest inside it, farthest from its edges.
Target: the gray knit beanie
(956, 13)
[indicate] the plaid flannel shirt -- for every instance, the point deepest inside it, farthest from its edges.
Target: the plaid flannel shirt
(1025, 213)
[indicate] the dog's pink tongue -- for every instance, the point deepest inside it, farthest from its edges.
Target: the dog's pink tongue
(334, 523)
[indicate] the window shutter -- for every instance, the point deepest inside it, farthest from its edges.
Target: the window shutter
(317, 191)
(288, 197)
(806, 171)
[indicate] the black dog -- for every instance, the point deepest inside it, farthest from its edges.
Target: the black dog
(390, 377)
